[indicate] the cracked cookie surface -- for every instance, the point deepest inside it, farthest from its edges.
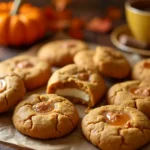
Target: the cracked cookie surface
(141, 70)
(45, 116)
(134, 94)
(111, 62)
(85, 58)
(79, 84)
(32, 70)
(12, 90)
(116, 128)
(61, 53)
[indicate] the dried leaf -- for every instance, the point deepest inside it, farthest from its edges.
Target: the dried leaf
(99, 25)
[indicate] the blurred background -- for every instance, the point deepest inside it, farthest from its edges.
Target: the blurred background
(83, 7)
(91, 4)
(89, 20)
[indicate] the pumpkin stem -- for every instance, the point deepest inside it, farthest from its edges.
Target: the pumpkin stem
(16, 6)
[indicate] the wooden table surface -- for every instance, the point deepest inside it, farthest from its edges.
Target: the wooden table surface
(7, 52)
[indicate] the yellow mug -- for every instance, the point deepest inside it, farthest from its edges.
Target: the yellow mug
(138, 19)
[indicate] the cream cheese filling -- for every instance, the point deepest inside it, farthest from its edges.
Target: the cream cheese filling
(73, 92)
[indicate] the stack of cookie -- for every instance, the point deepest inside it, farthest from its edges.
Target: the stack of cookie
(121, 125)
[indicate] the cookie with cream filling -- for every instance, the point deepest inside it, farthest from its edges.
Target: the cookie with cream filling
(78, 84)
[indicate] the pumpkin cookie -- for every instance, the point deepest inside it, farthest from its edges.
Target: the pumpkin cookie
(78, 84)
(33, 71)
(131, 93)
(116, 128)
(45, 116)
(85, 58)
(61, 53)
(111, 62)
(141, 70)
(12, 90)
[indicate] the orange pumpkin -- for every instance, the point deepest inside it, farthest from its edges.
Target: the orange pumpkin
(23, 28)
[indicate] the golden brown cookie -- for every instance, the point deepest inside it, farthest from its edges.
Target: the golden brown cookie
(111, 62)
(78, 84)
(12, 91)
(32, 70)
(85, 58)
(61, 53)
(141, 70)
(116, 128)
(134, 94)
(45, 116)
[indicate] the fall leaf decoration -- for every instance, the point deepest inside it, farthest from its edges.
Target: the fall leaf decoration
(99, 25)
(20, 24)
